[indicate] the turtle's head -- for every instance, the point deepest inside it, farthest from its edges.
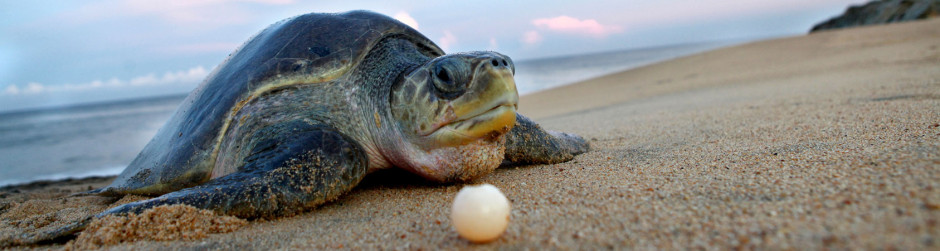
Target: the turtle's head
(454, 110)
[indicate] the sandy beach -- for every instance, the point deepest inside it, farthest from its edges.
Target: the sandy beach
(829, 140)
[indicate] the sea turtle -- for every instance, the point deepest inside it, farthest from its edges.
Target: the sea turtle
(306, 108)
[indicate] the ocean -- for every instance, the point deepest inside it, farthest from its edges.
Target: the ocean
(101, 139)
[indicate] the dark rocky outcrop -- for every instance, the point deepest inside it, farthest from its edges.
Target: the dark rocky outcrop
(881, 12)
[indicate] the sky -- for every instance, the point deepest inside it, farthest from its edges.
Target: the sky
(55, 53)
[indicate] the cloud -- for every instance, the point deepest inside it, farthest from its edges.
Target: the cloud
(573, 25)
(202, 12)
(183, 14)
(493, 44)
(192, 76)
(531, 37)
(30, 88)
(11, 90)
(405, 18)
(447, 40)
(34, 88)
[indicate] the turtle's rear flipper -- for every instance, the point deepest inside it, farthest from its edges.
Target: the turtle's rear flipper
(56, 235)
(527, 142)
(303, 167)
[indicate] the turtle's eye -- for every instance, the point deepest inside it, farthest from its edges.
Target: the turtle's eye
(446, 82)
(443, 75)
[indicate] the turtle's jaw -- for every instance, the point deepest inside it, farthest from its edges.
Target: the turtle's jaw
(486, 126)
(483, 113)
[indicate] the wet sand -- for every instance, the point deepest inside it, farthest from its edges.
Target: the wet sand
(830, 140)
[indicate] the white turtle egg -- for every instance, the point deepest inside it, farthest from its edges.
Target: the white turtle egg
(480, 213)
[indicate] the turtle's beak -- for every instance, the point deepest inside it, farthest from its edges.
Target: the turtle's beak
(488, 108)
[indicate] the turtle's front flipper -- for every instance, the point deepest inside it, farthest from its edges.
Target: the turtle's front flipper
(302, 166)
(527, 142)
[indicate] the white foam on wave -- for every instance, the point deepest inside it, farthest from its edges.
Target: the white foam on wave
(107, 171)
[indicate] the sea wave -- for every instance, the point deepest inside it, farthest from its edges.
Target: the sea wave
(107, 171)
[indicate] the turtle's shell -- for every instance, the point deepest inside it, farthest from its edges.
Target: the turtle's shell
(184, 150)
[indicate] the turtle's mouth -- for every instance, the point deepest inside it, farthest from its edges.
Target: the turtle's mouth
(490, 123)
(485, 114)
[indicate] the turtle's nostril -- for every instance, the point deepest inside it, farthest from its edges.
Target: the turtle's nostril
(505, 63)
(494, 62)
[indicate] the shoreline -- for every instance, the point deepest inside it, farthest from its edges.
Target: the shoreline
(692, 71)
(44, 183)
(65, 178)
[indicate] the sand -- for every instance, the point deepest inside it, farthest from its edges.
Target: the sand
(162, 223)
(830, 140)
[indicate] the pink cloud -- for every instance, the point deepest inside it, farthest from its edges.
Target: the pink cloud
(573, 25)
(531, 37)
(406, 18)
(447, 40)
(271, 2)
